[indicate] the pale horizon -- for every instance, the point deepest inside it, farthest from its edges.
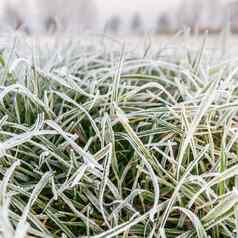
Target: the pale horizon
(33, 12)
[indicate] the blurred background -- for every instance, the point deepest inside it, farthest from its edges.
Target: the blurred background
(119, 17)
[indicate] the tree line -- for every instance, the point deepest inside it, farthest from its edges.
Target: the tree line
(59, 15)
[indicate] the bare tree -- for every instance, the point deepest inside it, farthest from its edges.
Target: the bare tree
(12, 17)
(17, 17)
(201, 15)
(136, 24)
(189, 13)
(163, 24)
(72, 15)
(113, 24)
(50, 24)
(232, 16)
(52, 13)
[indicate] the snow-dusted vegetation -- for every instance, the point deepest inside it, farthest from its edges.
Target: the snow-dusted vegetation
(99, 139)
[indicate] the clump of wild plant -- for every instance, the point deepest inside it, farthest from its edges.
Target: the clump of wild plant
(104, 140)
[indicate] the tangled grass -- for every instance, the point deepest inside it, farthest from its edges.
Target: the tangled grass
(105, 140)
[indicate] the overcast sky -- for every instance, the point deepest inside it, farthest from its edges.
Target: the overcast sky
(108, 6)
(140, 5)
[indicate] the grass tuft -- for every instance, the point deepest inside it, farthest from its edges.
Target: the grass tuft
(105, 140)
